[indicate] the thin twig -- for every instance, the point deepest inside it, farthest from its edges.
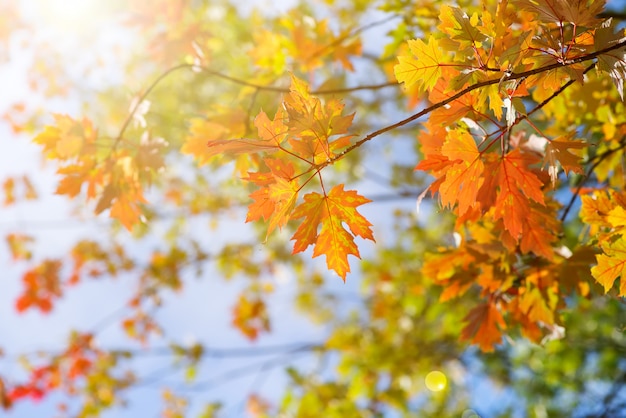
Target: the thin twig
(250, 368)
(512, 76)
(224, 352)
(599, 160)
(140, 99)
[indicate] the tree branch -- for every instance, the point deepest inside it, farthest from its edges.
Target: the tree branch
(512, 76)
(614, 15)
(249, 369)
(599, 159)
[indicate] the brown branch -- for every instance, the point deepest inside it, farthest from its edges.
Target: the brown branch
(599, 159)
(235, 80)
(140, 99)
(248, 369)
(549, 99)
(511, 76)
(614, 15)
(275, 89)
(225, 352)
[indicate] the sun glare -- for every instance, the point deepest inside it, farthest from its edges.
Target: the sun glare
(73, 17)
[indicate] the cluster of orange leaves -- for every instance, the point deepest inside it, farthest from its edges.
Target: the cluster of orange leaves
(507, 222)
(115, 175)
(75, 362)
(296, 145)
(493, 182)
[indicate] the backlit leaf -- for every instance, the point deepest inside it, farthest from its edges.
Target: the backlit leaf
(424, 67)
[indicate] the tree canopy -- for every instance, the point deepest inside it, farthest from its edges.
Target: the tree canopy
(401, 205)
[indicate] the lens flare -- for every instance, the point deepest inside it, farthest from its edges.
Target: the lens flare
(436, 381)
(69, 16)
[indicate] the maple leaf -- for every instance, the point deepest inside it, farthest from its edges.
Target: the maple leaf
(126, 209)
(577, 12)
(456, 23)
(311, 124)
(19, 245)
(516, 185)
(617, 217)
(250, 316)
(275, 200)
(283, 193)
(595, 207)
(611, 265)
(423, 68)
(464, 178)
(67, 139)
(541, 229)
(538, 303)
(558, 149)
(271, 132)
(196, 142)
(612, 62)
(314, 211)
(333, 240)
(485, 325)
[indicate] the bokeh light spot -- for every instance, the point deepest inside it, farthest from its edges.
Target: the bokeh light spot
(436, 381)
(470, 413)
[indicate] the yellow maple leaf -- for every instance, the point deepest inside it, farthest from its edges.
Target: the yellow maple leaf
(611, 265)
(424, 67)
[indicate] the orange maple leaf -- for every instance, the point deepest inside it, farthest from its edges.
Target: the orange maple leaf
(272, 134)
(516, 184)
(485, 325)
(275, 200)
(465, 177)
(312, 123)
(333, 240)
(126, 209)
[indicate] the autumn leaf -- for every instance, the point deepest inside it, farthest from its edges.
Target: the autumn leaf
(272, 133)
(459, 26)
(424, 67)
(617, 217)
(516, 185)
(577, 12)
(612, 62)
(484, 326)
(464, 177)
(611, 265)
(314, 210)
(250, 316)
(276, 198)
(284, 193)
(20, 246)
(311, 124)
(8, 187)
(68, 138)
(541, 231)
(558, 150)
(539, 304)
(41, 286)
(333, 240)
(126, 209)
